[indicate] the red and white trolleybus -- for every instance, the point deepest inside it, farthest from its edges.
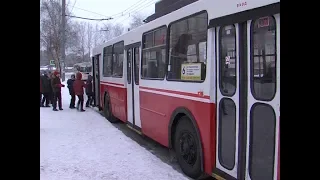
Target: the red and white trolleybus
(203, 80)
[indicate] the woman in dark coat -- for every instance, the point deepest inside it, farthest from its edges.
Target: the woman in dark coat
(46, 89)
(71, 92)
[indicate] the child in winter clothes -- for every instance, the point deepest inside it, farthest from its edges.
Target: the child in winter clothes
(89, 91)
(78, 86)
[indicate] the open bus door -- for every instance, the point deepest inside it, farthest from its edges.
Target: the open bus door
(96, 80)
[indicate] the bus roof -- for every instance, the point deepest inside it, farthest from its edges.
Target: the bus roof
(215, 9)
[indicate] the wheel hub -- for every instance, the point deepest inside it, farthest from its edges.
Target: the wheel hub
(188, 148)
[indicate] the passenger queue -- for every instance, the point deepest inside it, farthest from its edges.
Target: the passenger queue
(50, 91)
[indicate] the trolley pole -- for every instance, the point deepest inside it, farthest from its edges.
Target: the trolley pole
(63, 40)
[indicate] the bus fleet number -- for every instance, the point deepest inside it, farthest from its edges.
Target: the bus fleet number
(241, 4)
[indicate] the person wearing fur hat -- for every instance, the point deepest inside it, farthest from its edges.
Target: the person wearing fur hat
(78, 86)
(56, 88)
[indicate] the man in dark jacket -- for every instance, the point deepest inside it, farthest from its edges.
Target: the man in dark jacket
(45, 90)
(56, 88)
(89, 91)
(71, 91)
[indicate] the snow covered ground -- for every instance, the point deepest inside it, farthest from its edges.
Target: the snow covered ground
(84, 146)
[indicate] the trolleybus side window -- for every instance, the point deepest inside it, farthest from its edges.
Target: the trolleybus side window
(136, 65)
(228, 51)
(118, 50)
(187, 53)
(263, 55)
(154, 54)
(129, 65)
(107, 61)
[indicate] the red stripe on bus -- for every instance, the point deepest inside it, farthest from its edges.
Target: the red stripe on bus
(177, 92)
(112, 83)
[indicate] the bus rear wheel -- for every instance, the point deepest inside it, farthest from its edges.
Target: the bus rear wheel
(187, 148)
(107, 110)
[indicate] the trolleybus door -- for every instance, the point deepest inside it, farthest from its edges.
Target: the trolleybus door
(96, 79)
(133, 100)
(248, 99)
(263, 98)
(227, 98)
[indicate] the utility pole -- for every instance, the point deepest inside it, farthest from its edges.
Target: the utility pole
(63, 41)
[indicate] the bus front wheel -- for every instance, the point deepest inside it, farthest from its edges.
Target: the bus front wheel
(187, 148)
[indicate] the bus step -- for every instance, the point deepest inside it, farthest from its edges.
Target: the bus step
(132, 128)
(216, 176)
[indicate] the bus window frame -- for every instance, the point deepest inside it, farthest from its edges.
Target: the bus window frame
(113, 54)
(103, 61)
(168, 46)
(154, 47)
(254, 95)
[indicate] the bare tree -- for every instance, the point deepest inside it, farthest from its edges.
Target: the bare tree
(117, 30)
(136, 21)
(89, 37)
(106, 32)
(81, 32)
(96, 36)
(50, 32)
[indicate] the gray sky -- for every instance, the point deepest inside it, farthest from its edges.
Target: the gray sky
(111, 7)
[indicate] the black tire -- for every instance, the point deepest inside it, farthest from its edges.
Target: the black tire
(187, 148)
(107, 111)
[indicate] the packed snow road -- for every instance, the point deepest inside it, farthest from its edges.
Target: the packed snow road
(84, 146)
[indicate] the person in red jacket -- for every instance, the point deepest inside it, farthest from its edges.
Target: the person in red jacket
(56, 88)
(78, 86)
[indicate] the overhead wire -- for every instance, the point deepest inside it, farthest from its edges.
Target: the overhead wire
(73, 6)
(136, 10)
(88, 18)
(91, 12)
(132, 6)
(117, 14)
